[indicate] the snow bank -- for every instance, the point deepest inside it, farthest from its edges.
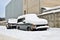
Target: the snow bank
(50, 34)
(2, 28)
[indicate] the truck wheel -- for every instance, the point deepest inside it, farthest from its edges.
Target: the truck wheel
(8, 27)
(28, 29)
(19, 28)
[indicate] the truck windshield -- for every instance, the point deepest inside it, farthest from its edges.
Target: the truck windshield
(20, 20)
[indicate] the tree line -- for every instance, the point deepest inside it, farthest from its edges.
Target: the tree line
(2, 19)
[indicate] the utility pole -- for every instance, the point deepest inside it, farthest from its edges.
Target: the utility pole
(27, 6)
(39, 7)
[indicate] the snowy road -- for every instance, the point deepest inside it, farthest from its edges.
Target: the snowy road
(50, 34)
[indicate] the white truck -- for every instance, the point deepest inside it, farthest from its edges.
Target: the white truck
(11, 23)
(31, 22)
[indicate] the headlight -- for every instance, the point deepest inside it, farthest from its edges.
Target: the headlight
(33, 26)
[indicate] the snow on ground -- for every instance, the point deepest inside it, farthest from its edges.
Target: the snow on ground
(50, 34)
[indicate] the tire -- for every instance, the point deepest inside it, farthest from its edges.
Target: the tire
(8, 27)
(19, 28)
(28, 29)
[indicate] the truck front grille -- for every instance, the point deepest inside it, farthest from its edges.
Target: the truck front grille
(39, 25)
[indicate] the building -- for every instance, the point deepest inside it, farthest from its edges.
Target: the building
(19, 7)
(53, 16)
(14, 9)
(34, 6)
(31, 6)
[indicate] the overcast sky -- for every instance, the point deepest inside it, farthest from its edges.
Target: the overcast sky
(3, 4)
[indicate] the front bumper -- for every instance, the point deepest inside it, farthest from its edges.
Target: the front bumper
(41, 28)
(10, 24)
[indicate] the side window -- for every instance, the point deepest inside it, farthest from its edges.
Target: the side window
(20, 20)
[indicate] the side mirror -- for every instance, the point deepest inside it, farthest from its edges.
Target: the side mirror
(24, 21)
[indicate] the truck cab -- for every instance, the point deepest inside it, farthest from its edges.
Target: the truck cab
(32, 22)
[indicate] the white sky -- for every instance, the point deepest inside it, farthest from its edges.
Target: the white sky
(3, 3)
